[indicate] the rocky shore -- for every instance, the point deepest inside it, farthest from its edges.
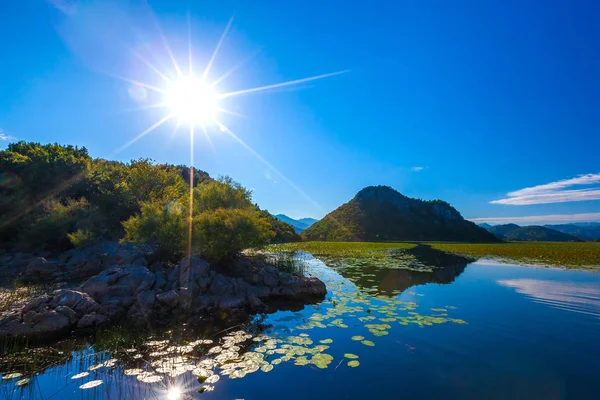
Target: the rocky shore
(110, 283)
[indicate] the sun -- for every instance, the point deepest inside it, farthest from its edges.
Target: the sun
(192, 101)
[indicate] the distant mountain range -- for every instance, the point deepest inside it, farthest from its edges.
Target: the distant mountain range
(585, 231)
(380, 213)
(514, 232)
(298, 224)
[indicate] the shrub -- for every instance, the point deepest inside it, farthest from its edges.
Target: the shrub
(223, 233)
(56, 220)
(81, 237)
(163, 225)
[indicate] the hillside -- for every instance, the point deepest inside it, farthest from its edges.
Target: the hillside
(531, 233)
(589, 231)
(298, 224)
(379, 213)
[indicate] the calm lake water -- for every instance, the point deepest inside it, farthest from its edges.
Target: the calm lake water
(461, 331)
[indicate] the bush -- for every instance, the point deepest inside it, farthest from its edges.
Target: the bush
(81, 238)
(161, 225)
(223, 233)
(57, 220)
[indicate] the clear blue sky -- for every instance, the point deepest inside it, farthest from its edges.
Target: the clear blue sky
(466, 101)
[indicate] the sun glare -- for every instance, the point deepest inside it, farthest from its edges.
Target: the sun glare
(192, 101)
(174, 394)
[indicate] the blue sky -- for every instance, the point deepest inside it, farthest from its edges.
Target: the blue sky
(491, 106)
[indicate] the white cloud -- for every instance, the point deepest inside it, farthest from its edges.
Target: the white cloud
(4, 136)
(554, 192)
(417, 169)
(66, 6)
(545, 219)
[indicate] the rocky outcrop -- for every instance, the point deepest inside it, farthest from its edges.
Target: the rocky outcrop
(136, 294)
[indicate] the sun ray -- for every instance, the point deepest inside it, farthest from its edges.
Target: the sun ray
(139, 83)
(191, 210)
(190, 62)
(151, 67)
(232, 70)
(141, 135)
(216, 51)
(147, 107)
(164, 40)
(282, 84)
(226, 111)
(175, 129)
(268, 164)
(210, 143)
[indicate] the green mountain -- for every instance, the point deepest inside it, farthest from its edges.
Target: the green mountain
(298, 224)
(588, 231)
(379, 213)
(531, 233)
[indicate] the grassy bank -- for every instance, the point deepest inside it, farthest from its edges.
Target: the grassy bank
(569, 255)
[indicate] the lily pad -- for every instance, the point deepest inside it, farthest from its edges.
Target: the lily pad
(368, 343)
(12, 375)
(81, 375)
(326, 341)
(23, 382)
(358, 337)
(353, 363)
(91, 384)
(350, 355)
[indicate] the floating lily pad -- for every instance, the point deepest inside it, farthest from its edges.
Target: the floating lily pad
(358, 337)
(81, 375)
(350, 355)
(91, 384)
(326, 341)
(353, 363)
(23, 382)
(12, 375)
(368, 343)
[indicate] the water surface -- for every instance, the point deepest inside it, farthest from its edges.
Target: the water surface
(453, 331)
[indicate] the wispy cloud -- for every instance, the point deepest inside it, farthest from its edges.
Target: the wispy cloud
(555, 192)
(579, 297)
(417, 169)
(4, 136)
(546, 219)
(66, 6)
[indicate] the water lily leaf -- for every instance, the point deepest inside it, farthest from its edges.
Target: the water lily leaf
(23, 382)
(91, 384)
(368, 343)
(240, 373)
(212, 379)
(353, 363)
(350, 355)
(12, 375)
(358, 337)
(326, 341)
(438, 309)
(266, 368)
(81, 375)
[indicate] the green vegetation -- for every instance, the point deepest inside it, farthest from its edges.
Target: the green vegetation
(379, 213)
(57, 197)
(567, 254)
(341, 249)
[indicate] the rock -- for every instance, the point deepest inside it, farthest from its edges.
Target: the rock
(28, 317)
(169, 299)
(36, 304)
(256, 305)
(49, 322)
(159, 281)
(229, 303)
(91, 320)
(77, 258)
(39, 269)
(118, 283)
(67, 312)
(270, 276)
(79, 302)
(221, 286)
(190, 269)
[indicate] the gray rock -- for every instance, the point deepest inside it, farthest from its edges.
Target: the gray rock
(37, 304)
(189, 269)
(49, 322)
(159, 281)
(39, 269)
(67, 312)
(169, 299)
(91, 320)
(79, 302)
(118, 283)
(29, 316)
(221, 286)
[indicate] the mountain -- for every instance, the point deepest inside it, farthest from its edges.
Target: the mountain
(585, 231)
(531, 233)
(485, 226)
(379, 213)
(298, 224)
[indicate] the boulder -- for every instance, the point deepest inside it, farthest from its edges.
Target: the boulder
(39, 269)
(81, 303)
(91, 320)
(116, 284)
(48, 322)
(221, 286)
(190, 269)
(168, 299)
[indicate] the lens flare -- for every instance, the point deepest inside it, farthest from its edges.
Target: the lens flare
(191, 101)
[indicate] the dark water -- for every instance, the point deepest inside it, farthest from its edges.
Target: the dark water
(482, 330)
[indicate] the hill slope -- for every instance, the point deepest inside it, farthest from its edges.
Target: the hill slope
(379, 213)
(298, 224)
(590, 231)
(531, 233)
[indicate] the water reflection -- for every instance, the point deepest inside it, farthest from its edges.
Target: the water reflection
(578, 297)
(403, 269)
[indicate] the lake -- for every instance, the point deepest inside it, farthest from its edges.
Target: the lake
(454, 331)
